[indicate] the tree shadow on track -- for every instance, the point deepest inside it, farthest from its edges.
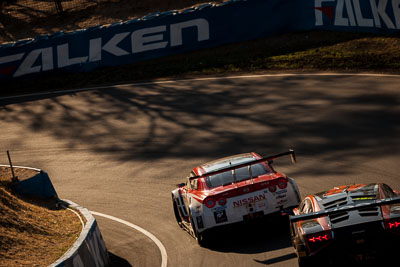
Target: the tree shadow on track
(326, 117)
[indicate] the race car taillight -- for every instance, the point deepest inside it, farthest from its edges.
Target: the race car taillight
(317, 241)
(393, 224)
(282, 183)
(319, 238)
(222, 201)
(210, 202)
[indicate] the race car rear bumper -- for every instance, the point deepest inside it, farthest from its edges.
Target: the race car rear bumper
(360, 250)
(255, 221)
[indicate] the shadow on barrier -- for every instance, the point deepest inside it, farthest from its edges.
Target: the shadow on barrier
(216, 118)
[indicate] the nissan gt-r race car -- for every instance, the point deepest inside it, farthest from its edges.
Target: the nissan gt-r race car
(231, 190)
(353, 224)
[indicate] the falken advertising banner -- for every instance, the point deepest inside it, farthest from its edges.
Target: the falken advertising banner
(377, 16)
(162, 34)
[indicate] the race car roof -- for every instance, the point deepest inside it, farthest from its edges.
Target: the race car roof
(340, 200)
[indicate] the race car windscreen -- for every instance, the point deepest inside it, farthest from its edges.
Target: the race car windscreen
(226, 178)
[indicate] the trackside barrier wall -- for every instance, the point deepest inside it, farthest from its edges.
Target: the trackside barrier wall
(89, 249)
(161, 34)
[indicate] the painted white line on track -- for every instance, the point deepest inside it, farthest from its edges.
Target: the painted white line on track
(160, 246)
(77, 214)
(200, 79)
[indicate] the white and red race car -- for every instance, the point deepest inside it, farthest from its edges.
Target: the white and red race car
(231, 190)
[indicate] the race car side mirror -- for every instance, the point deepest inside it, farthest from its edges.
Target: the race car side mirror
(181, 185)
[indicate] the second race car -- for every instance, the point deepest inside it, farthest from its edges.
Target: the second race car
(347, 225)
(231, 190)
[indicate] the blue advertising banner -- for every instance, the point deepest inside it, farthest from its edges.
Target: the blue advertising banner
(376, 16)
(209, 25)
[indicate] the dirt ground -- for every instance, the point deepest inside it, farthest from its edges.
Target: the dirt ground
(22, 19)
(33, 232)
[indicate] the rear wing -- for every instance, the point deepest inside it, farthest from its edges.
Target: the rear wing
(232, 168)
(318, 214)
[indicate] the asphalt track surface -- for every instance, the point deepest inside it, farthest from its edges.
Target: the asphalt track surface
(120, 150)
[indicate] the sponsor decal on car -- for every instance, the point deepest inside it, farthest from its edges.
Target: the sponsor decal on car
(220, 216)
(262, 205)
(249, 200)
(281, 192)
(280, 196)
(282, 201)
(363, 198)
(199, 222)
(219, 208)
(198, 210)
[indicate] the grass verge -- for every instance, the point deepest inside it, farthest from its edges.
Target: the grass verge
(303, 51)
(33, 232)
